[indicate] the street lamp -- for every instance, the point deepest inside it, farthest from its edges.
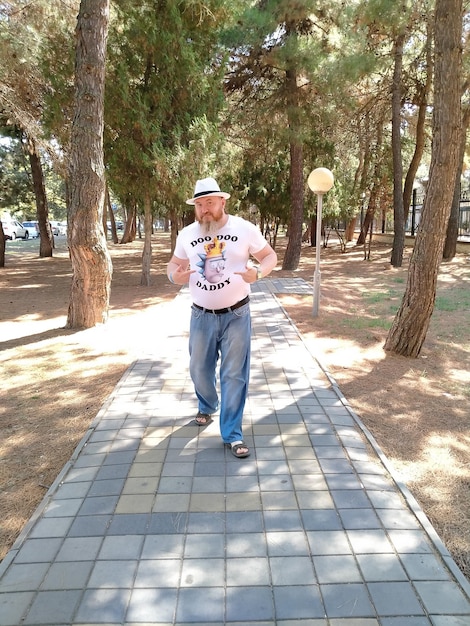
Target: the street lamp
(320, 181)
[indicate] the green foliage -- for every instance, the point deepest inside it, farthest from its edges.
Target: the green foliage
(162, 85)
(16, 190)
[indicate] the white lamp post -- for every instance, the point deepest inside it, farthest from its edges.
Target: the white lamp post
(320, 181)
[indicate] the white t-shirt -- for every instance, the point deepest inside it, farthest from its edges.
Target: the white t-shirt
(215, 257)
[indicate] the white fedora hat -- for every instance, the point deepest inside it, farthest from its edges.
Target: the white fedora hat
(207, 187)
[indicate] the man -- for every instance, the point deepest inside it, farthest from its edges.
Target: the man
(213, 255)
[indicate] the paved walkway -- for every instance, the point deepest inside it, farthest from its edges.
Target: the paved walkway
(152, 522)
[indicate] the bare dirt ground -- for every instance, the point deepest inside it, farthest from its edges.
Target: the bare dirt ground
(53, 381)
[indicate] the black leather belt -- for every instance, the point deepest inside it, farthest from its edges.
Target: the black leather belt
(226, 310)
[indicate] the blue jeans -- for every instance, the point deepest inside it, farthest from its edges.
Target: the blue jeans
(227, 335)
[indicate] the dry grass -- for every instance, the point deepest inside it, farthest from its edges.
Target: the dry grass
(54, 381)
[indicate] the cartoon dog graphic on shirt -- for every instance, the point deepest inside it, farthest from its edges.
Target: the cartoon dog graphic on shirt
(212, 264)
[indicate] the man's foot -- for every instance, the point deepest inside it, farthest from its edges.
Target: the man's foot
(239, 449)
(203, 419)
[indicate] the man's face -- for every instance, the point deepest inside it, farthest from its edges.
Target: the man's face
(209, 209)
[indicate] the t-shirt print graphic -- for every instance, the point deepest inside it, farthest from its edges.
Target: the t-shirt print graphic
(212, 263)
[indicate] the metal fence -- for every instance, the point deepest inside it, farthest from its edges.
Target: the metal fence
(464, 215)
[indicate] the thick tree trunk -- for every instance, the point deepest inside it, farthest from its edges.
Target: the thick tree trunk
(91, 262)
(46, 241)
(411, 323)
(398, 214)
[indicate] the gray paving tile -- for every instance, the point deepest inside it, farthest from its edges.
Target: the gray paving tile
(53, 607)
(191, 610)
(246, 545)
(89, 526)
(205, 546)
(297, 602)
(103, 605)
(38, 550)
(337, 569)
(381, 567)
(13, 607)
(24, 577)
(441, 597)
(79, 549)
(113, 574)
(424, 567)
(163, 547)
(146, 604)
(347, 600)
(395, 598)
(292, 570)
(249, 604)
(67, 575)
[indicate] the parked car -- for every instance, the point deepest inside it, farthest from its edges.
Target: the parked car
(32, 228)
(59, 228)
(12, 229)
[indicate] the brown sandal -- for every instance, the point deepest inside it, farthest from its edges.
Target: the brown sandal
(203, 419)
(235, 447)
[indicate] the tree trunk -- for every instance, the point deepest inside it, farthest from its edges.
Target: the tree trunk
(2, 246)
(147, 252)
(398, 214)
(420, 127)
(409, 328)
(450, 246)
(130, 227)
(91, 262)
(294, 245)
(46, 241)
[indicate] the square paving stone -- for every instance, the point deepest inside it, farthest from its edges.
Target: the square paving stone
(67, 575)
(53, 607)
(158, 573)
(38, 550)
(121, 547)
(441, 597)
(103, 605)
(321, 520)
(347, 600)
(112, 574)
(395, 598)
(359, 519)
(244, 522)
(295, 603)
(241, 572)
(152, 606)
(249, 604)
(424, 567)
(13, 606)
(328, 542)
(79, 549)
(246, 545)
(369, 541)
(282, 520)
(62, 508)
(381, 567)
(89, 526)
(295, 570)
(287, 544)
(191, 609)
(202, 572)
(337, 569)
(163, 547)
(129, 524)
(204, 545)
(25, 577)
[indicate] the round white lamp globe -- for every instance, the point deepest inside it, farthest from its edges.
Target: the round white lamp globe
(320, 180)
